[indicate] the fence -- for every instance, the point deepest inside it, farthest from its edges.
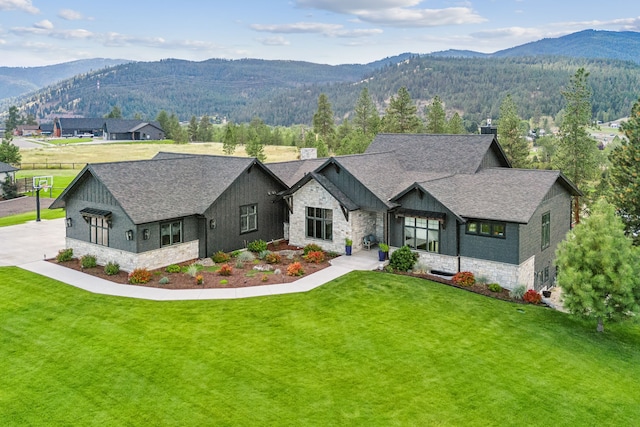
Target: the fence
(25, 185)
(47, 165)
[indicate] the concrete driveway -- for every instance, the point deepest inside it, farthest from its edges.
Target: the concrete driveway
(33, 241)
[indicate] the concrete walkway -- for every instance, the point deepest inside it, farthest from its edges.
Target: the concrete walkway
(33, 241)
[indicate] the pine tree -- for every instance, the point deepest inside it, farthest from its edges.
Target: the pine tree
(323, 122)
(577, 153)
(205, 130)
(229, 139)
(401, 114)
(192, 129)
(115, 113)
(436, 117)
(367, 118)
(624, 175)
(510, 136)
(13, 120)
(9, 153)
(455, 125)
(255, 149)
(598, 268)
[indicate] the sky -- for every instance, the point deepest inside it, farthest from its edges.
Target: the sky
(45, 32)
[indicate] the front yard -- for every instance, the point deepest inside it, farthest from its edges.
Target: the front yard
(366, 349)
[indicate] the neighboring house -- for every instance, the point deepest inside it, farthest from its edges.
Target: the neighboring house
(27, 130)
(46, 129)
(171, 209)
(64, 127)
(454, 199)
(6, 170)
(134, 130)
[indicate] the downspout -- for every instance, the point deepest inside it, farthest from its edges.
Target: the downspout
(458, 243)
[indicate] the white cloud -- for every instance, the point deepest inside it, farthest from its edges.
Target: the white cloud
(44, 25)
(355, 6)
(274, 41)
(23, 5)
(298, 28)
(70, 15)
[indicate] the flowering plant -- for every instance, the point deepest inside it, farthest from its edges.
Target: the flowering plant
(314, 256)
(295, 269)
(225, 270)
(532, 297)
(464, 278)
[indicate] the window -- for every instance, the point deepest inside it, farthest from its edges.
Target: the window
(171, 233)
(320, 223)
(248, 218)
(485, 228)
(99, 231)
(546, 230)
(422, 233)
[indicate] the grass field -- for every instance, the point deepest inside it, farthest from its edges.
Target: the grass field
(31, 216)
(98, 153)
(61, 178)
(367, 349)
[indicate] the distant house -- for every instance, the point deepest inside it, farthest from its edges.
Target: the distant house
(453, 199)
(7, 171)
(27, 130)
(135, 130)
(171, 209)
(66, 127)
(46, 129)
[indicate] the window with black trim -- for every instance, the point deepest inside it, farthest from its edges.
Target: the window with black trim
(546, 230)
(99, 231)
(319, 223)
(248, 218)
(487, 228)
(422, 234)
(171, 233)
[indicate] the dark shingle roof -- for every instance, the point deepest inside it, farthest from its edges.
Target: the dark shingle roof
(293, 171)
(70, 124)
(5, 167)
(157, 189)
(125, 125)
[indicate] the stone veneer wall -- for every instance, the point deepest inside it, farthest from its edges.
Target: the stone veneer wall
(129, 261)
(506, 275)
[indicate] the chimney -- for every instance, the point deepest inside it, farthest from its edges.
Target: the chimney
(488, 129)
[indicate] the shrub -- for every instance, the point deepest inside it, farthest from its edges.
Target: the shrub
(464, 278)
(164, 280)
(112, 268)
(88, 261)
(220, 257)
(239, 264)
(421, 268)
(265, 278)
(257, 246)
(315, 257)
(276, 244)
(348, 242)
(494, 287)
(481, 280)
(65, 255)
(532, 297)
(246, 256)
(263, 254)
(518, 292)
(273, 258)
(388, 269)
(199, 279)
(173, 268)
(193, 269)
(295, 269)
(225, 270)
(224, 281)
(311, 247)
(403, 259)
(235, 253)
(139, 275)
(277, 271)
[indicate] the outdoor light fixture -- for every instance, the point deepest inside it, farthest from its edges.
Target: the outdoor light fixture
(212, 223)
(69, 222)
(145, 234)
(129, 234)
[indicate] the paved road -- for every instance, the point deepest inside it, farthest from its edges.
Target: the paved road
(23, 143)
(33, 241)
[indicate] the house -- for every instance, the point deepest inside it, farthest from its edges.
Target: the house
(27, 130)
(170, 209)
(65, 127)
(134, 130)
(454, 199)
(6, 171)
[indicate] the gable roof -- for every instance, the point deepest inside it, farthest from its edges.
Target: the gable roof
(5, 168)
(148, 190)
(80, 123)
(126, 126)
(501, 194)
(293, 171)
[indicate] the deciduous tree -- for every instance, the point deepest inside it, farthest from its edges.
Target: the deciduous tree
(9, 153)
(598, 268)
(510, 136)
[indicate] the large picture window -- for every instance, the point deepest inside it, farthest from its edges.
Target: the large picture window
(99, 231)
(422, 234)
(248, 218)
(546, 230)
(320, 223)
(171, 233)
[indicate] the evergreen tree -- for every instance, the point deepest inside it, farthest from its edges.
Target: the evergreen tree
(13, 120)
(163, 120)
(115, 113)
(255, 149)
(456, 125)
(577, 153)
(624, 175)
(229, 139)
(510, 136)
(436, 117)
(323, 122)
(8, 189)
(192, 129)
(9, 153)
(367, 118)
(598, 268)
(205, 130)
(401, 114)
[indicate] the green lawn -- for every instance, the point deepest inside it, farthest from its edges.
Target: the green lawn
(31, 216)
(61, 179)
(367, 349)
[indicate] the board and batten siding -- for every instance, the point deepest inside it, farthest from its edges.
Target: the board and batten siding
(352, 188)
(493, 158)
(254, 186)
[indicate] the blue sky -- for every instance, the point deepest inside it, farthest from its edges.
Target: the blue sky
(42, 32)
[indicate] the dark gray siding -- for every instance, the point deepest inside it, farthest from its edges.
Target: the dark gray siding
(90, 193)
(189, 233)
(350, 186)
(558, 203)
(491, 248)
(252, 187)
(493, 158)
(424, 202)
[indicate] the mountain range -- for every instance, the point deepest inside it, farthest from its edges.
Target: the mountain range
(285, 92)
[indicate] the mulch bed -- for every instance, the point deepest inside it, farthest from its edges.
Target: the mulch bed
(244, 277)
